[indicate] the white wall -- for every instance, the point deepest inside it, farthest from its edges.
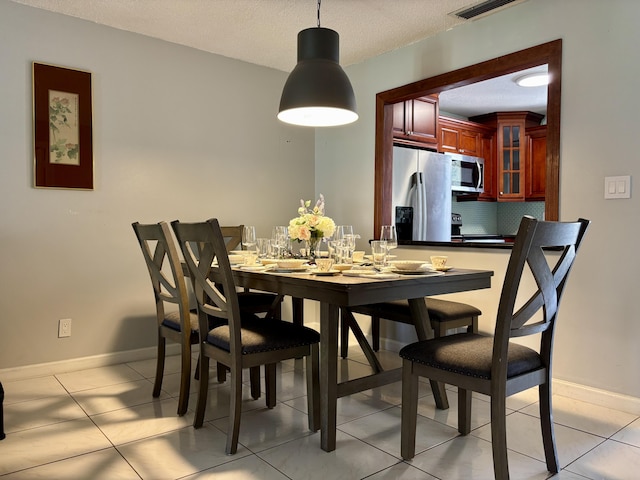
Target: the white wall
(599, 331)
(178, 134)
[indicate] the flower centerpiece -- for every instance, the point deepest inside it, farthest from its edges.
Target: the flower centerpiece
(311, 225)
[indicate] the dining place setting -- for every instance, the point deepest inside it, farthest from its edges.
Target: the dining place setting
(328, 252)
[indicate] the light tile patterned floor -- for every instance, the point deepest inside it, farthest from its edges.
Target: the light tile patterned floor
(103, 424)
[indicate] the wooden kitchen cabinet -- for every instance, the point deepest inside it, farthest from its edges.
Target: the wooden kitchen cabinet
(511, 151)
(536, 179)
(459, 136)
(415, 122)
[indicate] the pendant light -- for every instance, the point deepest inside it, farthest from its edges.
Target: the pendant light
(318, 92)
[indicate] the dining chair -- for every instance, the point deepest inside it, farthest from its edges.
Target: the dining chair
(178, 322)
(494, 365)
(251, 301)
(2, 435)
(443, 314)
(243, 340)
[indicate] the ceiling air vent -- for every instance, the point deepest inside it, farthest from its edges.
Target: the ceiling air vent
(481, 8)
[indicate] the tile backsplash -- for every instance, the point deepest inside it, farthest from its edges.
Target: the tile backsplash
(502, 218)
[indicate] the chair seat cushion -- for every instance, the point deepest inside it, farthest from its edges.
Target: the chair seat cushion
(470, 354)
(172, 321)
(439, 310)
(264, 335)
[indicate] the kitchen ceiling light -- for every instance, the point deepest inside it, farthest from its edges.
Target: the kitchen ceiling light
(533, 80)
(318, 92)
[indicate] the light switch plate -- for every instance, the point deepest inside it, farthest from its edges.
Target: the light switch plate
(617, 187)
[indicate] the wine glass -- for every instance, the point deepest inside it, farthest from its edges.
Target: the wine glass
(249, 237)
(389, 234)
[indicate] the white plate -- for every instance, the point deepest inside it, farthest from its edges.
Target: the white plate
(446, 268)
(289, 270)
(326, 274)
(252, 268)
(359, 273)
(417, 272)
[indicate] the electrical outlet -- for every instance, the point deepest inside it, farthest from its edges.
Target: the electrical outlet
(64, 327)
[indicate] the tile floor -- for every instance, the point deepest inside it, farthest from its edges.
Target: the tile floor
(103, 424)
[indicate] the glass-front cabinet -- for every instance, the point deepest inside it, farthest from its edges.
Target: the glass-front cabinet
(511, 151)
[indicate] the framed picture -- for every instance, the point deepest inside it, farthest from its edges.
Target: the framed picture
(62, 120)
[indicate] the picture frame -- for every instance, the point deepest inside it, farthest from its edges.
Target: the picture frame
(63, 128)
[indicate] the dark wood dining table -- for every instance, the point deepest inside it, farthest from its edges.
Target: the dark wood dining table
(340, 291)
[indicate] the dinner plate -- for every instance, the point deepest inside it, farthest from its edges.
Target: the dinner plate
(417, 272)
(251, 268)
(290, 270)
(359, 273)
(326, 274)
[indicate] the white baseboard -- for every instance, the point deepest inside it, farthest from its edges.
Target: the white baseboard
(83, 363)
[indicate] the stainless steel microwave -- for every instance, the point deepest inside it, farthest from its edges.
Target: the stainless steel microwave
(467, 174)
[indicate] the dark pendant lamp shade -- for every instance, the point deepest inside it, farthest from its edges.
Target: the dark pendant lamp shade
(318, 92)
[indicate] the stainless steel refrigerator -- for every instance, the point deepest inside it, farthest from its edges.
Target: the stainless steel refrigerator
(422, 182)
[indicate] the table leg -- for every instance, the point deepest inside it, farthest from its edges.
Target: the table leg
(297, 306)
(329, 315)
(420, 314)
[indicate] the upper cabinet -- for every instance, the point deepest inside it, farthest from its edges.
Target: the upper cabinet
(459, 136)
(511, 152)
(415, 122)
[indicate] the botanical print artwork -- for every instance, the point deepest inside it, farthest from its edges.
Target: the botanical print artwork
(63, 127)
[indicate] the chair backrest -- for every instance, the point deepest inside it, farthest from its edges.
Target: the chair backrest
(549, 250)
(205, 253)
(158, 250)
(232, 236)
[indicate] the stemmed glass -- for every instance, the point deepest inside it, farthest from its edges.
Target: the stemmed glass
(388, 234)
(249, 237)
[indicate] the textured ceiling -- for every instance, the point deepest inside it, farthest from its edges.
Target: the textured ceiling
(264, 32)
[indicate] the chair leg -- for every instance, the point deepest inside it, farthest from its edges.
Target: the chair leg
(270, 384)
(157, 384)
(375, 332)
(203, 388)
(473, 328)
(312, 366)
(464, 411)
(254, 378)
(196, 375)
(235, 411)
(499, 436)
(2, 435)
(546, 422)
(409, 411)
(221, 371)
(185, 380)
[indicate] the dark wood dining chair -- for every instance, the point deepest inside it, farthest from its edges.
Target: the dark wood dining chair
(443, 314)
(243, 340)
(493, 365)
(175, 320)
(2, 435)
(251, 301)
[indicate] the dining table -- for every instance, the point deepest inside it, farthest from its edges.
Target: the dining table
(336, 292)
